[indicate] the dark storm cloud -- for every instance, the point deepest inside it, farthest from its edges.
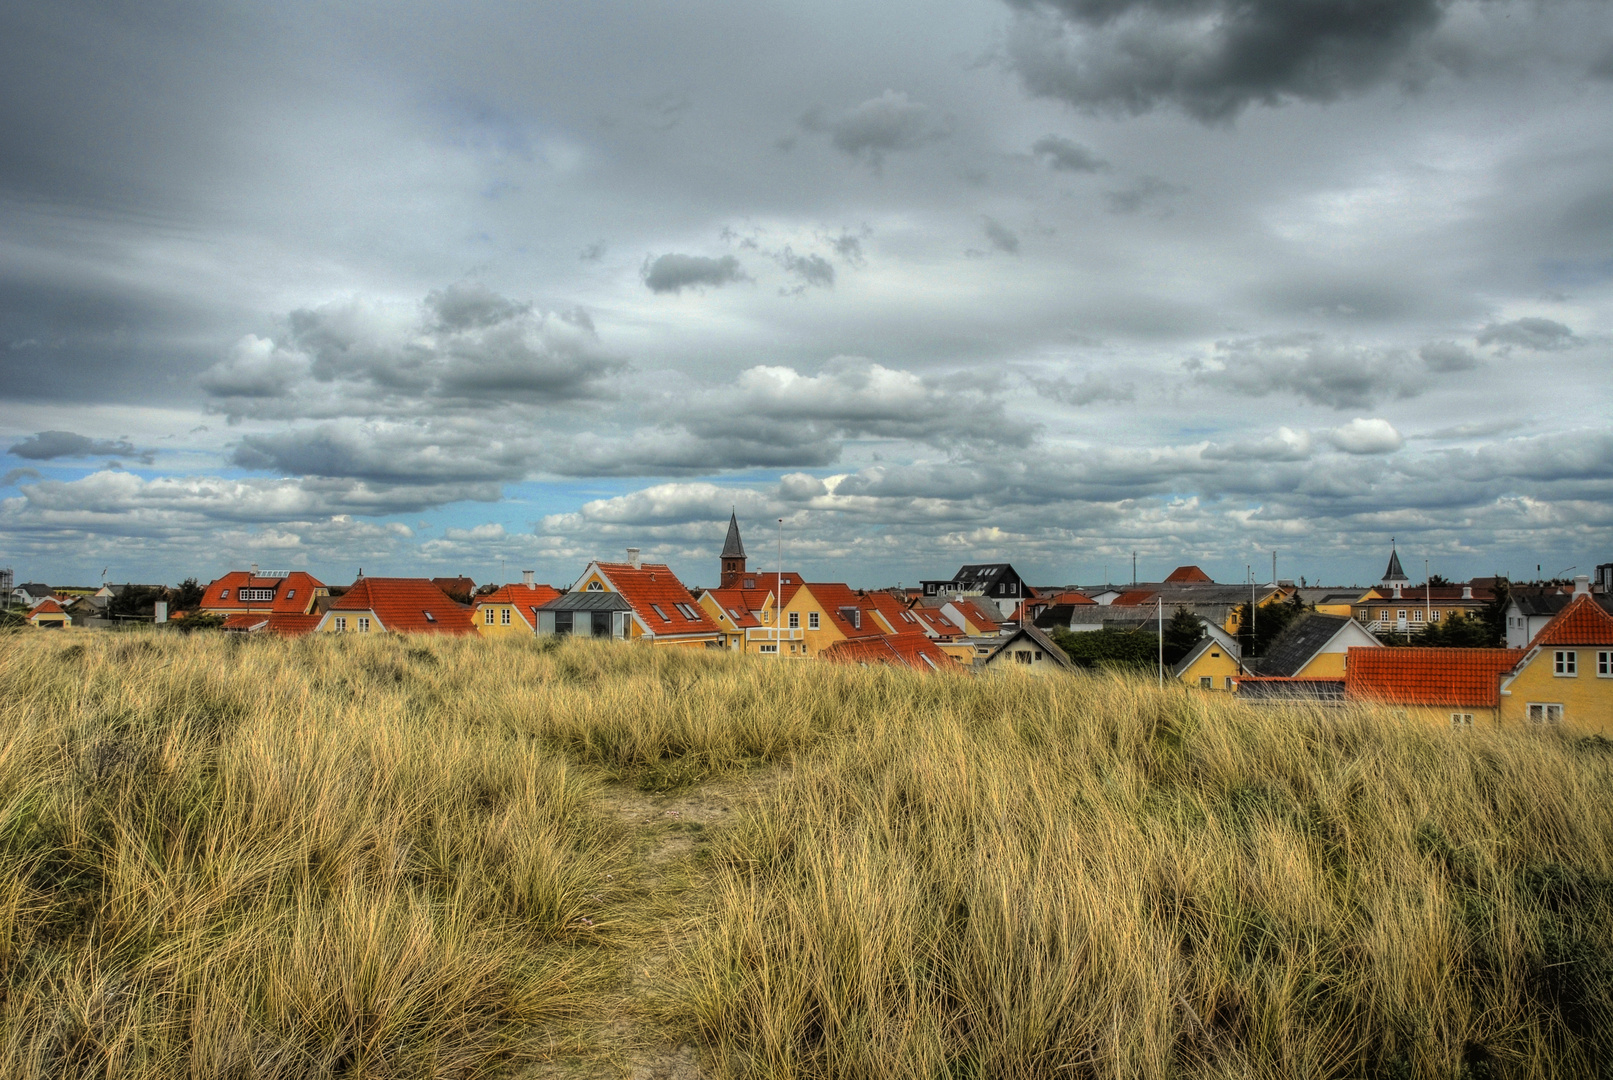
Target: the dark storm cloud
(1310, 367)
(1001, 236)
(1213, 58)
(1447, 356)
(1147, 193)
(1542, 335)
(14, 477)
(674, 273)
(1066, 155)
(878, 126)
(808, 269)
(49, 445)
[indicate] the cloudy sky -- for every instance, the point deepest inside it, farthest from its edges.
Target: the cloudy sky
(432, 287)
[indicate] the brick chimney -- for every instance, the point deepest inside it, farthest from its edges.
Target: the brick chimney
(526, 578)
(632, 557)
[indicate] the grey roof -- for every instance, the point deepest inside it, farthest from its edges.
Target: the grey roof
(1297, 690)
(1054, 653)
(1205, 642)
(1300, 641)
(983, 574)
(582, 600)
(733, 547)
(1131, 617)
(34, 588)
(1551, 603)
(1394, 573)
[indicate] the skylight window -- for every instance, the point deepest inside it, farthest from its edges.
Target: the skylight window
(659, 613)
(429, 616)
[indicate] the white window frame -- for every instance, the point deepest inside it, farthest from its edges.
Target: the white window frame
(224, 594)
(795, 620)
(769, 648)
(1604, 665)
(504, 616)
(487, 615)
(594, 586)
(1416, 614)
(1545, 712)
(1565, 663)
(812, 620)
(1229, 682)
(1206, 682)
(1434, 615)
(1461, 719)
(364, 624)
(340, 622)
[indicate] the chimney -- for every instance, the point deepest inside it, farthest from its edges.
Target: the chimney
(1582, 585)
(1397, 591)
(632, 557)
(160, 612)
(526, 578)
(1467, 592)
(254, 569)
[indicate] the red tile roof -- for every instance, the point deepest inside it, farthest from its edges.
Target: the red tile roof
(406, 606)
(1069, 598)
(519, 596)
(737, 604)
(284, 624)
(1582, 622)
(937, 622)
(1469, 677)
(1189, 574)
(1134, 598)
(986, 620)
(455, 586)
(292, 593)
(837, 599)
(912, 650)
(47, 606)
(654, 585)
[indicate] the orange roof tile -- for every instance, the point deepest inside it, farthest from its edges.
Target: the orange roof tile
(47, 606)
(837, 599)
(519, 596)
(1470, 677)
(984, 619)
(912, 650)
(936, 621)
(1134, 598)
(1189, 574)
(292, 593)
(1582, 622)
(406, 606)
(655, 593)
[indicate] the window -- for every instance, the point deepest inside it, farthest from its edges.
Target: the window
(1461, 719)
(1400, 616)
(594, 586)
(812, 620)
(1604, 665)
(291, 594)
(341, 624)
(563, 622)
(1022, 656)
(1205, 682)
(254, 594)
(770, 648)
(1038, 654)
(659, 614)
(795, 620)
(1545, 714)
(504, 616)
(1434, 615)
(1216, 655)
(1565, 662)
(429, 616)
(363, 624)
(750, 583)
(1416, 615)
(907, 616)
(1229, 682)
(224, 594)
(487, 616)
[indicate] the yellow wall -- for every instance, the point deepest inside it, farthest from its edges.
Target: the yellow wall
(803, 603)
(1439, 716)
(1218, 667)
(1231, 625)
(56, 618)
(352, 618)
(1586, 698)
(1325, 665)
(517, 624)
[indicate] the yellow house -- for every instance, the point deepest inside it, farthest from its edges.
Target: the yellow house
(745, 617)
(1212, 664)
(512, 609)
(1316, 647)
(1444, 686)
(48, 615)
(818, 615)
(1566, 676)
(662, 610)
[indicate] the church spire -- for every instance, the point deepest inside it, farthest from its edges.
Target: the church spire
(733, 555)
(1394, 575)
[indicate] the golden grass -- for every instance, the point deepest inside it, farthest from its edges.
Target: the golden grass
(391, 857)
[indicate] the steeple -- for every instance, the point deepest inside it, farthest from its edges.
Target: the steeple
(1394, 575)
(733, 555)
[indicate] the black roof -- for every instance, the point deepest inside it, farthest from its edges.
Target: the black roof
(733, 547)
(1394, 573)
(33, 588)
(1296, 645)
(583, 600)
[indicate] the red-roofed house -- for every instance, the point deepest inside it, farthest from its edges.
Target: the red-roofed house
(395, 606)
(243, 592)
(1188, 575)
(512, 609)
(663, 612)
(1566, 674)
(49, 615)
(286, 624)
(911, 649)
(818, 615)
(1450, 686)
(745, 616)
(976, 619)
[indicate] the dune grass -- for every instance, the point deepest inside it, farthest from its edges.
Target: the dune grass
(392, 857)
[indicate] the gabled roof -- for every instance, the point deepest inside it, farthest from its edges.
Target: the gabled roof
(523, 598)
(455, 586)
(34, 589)
(1428, 676)
(582, 600)
(47, 606)
(984, 619)
(985, 574)
(1206, 643)
(406, 605)
(936, 622)
(655, 591)
(1394, 573)
(1299, 643)
(733, 547)
(1043, 642)
(837, 598)
(1183, 575)
(284, 624)
(912, 650)
(1582, 622)
(292, 593)
(1135, 598)
(736, 605)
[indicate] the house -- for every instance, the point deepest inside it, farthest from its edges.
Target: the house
(1027, 649)
(1188, 575)
(659, 608)
(997, 582)
(974, 617)
(911, 649)
(1451, 687)
(1566, 675)
(459, 588)
(597, 613)
(49, 615)
(745, 616)
(395, 606)
(247, 592)
(1315, 647)
(283, 623)
(1405, 610)
(1214, 663)
(817, 615)
(32, 594)
(1530, 608)
(512, 609)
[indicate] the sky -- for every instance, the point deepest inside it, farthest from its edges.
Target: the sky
(435, 288)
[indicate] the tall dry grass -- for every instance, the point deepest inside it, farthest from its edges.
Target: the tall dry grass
(1028, 879)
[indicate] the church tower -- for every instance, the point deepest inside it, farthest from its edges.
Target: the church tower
(1394, 577)
(733, 555)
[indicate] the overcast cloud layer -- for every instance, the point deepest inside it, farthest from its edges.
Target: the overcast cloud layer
(487, 287)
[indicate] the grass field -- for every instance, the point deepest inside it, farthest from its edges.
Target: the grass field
(429, 857)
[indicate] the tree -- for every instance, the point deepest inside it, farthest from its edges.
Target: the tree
(1125, 650)
(185, 596)
(1181, 634)
(1438, 581)
(1460, 631)
(1269, 622)
(136, 601)
(1494, 613)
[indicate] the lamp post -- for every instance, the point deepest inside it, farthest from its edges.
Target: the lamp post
(778, 600)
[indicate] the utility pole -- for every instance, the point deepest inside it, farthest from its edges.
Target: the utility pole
(1159, 612)
(1428, 595)
(1274, 569)
(778, 599)
(1251, 571)
(1134, 569)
